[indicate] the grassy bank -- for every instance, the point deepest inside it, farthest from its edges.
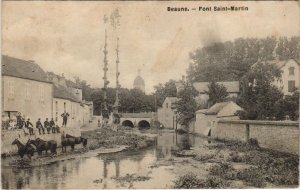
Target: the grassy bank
(108, 138)
(242, 165)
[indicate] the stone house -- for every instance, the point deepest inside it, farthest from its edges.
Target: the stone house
(207, 118)
(233, 89)
(67, 97)
(25, 89)
(290, 74)
(167, 113)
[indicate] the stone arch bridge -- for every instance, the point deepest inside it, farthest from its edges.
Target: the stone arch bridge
(137, 120)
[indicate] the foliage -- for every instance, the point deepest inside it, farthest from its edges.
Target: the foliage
(186, 105)
(164, 90)
(188, 181)
(231, 60)
(220, 169)
(258, 94)
(131, 100)
(216, 92)
(288, 106)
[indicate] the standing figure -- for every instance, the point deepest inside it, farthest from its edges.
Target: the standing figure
(65, 116)
(29, 126)
(19, 120)
(52, 125)
(40, 126)
(47, 126)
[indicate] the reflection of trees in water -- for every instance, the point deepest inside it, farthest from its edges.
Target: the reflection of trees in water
(185, 141)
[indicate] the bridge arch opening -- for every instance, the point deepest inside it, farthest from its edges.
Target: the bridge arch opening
(143, 124)
(127, 123)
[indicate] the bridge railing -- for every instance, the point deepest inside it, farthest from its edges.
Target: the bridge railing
(138, 115)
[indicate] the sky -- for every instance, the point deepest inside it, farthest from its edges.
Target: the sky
(68, 37)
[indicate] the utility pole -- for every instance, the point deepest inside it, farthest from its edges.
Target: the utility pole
(117, 101)
(106, 82)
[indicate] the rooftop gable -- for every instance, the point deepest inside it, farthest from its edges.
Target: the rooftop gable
(23, 69)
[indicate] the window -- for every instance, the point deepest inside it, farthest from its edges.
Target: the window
(292, 71)
(41, 93)
(27, 91)
(11, 89)
(291, 86)
(167, 105)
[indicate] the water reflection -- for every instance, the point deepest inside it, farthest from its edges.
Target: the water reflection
(97, 172)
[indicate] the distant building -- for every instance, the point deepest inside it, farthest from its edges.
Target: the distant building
(25, 89)
(207, 118)
(67, 97)
(290, 76)
(139, 82)
(232, 87)
(167, 113)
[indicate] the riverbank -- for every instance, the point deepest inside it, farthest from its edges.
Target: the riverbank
(233, 165)
(100, 141)
(108, 138)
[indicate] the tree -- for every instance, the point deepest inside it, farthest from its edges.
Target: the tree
(216, 92)
(258, 94)
(186, 105)
(288, 106)
(231, 60)
(165, 90)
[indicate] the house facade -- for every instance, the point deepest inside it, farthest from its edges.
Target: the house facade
(207, 118)
(67, 97)
(167, 113)
(290, 76)
(25, 89)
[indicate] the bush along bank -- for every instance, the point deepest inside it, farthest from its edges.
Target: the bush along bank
(243, 165)
(107, 138)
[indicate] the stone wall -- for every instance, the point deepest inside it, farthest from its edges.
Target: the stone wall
(7, 137)
(277, 135)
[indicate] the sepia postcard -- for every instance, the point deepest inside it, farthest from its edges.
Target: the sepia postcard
(150, 94)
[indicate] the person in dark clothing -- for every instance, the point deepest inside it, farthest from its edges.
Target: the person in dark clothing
(65, 116)
(19, 121)
(52, 125)
(40, 126)
(27, 125)
(47, 126)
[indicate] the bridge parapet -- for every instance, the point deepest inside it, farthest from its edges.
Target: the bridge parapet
(137, 115)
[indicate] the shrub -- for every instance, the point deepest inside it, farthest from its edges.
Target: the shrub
(221, 169)
(215, 182)
(189, 181)
(253, 176)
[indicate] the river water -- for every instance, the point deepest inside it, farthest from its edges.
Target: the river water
(101, 171)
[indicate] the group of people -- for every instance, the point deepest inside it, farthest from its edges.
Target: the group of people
(48, 125)
(19, 122)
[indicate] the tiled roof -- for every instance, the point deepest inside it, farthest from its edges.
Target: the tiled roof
(63, 93)
(22, 69)
(231, 86)
(278, 64)
(222, 109)
(69, 83)
(216, 108)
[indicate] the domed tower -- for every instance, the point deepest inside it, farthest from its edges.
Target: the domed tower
(139, 82)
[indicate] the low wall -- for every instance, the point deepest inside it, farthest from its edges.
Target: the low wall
(277, 135)
(7, 137)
